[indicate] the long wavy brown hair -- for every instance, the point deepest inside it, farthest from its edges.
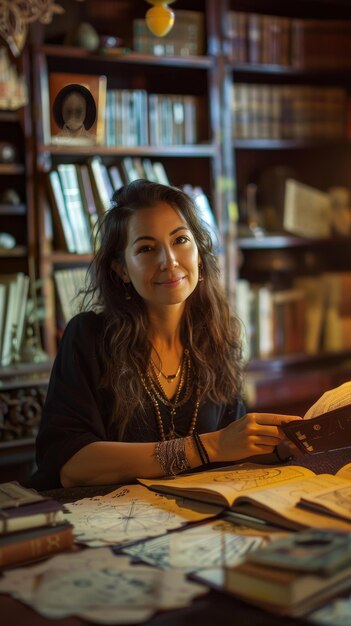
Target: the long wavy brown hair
(209, 328)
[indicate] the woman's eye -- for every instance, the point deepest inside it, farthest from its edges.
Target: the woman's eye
(182, 239)
(144, 249)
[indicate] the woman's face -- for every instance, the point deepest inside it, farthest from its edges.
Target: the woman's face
(74, 110)
(161, 256)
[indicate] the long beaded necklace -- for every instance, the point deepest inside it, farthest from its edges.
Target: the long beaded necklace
(154, 396)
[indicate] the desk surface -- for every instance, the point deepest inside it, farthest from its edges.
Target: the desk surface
(213, 608)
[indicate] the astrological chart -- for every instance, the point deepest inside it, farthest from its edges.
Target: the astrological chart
(243, 480)
(214, 544)
(128, 514)
(99, 587)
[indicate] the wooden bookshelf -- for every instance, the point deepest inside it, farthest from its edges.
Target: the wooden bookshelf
(288, 382)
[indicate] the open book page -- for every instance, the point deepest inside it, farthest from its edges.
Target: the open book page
(335, 501)
(344, 472)
(284, 498)
(226, 485)
(330, 400)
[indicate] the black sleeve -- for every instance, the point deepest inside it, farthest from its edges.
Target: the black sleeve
(72, 415)
(233, 412)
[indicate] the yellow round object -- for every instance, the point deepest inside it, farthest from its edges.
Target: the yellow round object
(159, 20)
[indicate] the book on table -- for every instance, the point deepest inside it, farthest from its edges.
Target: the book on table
(21, 509)
(294, 574)
(31, 526)
(265, 492)
(34, 543)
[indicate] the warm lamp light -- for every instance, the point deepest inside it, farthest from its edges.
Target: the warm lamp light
(160, 18)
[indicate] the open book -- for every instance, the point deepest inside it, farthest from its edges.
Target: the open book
(270, 493)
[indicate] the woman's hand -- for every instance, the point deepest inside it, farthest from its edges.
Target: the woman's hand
(251, 435)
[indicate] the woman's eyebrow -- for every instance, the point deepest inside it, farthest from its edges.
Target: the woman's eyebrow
(149, 238)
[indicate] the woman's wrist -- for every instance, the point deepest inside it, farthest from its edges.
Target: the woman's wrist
(211, 442)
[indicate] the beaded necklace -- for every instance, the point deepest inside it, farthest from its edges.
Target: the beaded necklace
(155, 396)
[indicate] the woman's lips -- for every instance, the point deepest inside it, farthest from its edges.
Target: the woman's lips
(171, 282)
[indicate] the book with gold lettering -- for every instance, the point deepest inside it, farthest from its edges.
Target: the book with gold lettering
(33, 544)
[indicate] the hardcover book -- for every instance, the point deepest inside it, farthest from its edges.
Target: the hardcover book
(329, 431)
(30, 545)
(284, 591)
(22, 508)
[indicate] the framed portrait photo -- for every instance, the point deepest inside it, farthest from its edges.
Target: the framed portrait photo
(77, 109)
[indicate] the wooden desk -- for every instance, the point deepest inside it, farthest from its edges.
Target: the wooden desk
(214, 608)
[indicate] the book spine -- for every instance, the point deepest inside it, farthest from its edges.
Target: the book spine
(31, 549)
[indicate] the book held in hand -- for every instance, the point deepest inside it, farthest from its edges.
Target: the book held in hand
(329, 431)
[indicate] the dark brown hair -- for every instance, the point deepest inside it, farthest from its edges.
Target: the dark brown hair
(209, 329)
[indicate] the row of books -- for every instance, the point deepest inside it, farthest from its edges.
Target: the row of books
(312, 316)
(13, 303)
(69, 283)
(288, 112)
(186, 38)
(136, 118)
(31, 526)
(81, 193)
(300, 43)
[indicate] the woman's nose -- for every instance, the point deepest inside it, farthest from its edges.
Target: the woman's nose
(168, 259)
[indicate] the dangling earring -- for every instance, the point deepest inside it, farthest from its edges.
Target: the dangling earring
(200, 274)
(127, 294)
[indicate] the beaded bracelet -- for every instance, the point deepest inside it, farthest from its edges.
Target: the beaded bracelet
(171, 456)
(201, 449)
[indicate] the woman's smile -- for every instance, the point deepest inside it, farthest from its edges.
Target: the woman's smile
(170, 282)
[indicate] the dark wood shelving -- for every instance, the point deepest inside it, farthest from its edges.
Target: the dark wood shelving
(65, 257)
(277, 363)
(17, 251)
(9, 116)
(11, 168)
(191, 62)
(286, 70)
(288, 144)
(191, 151)
(288, 241)
(13, 209)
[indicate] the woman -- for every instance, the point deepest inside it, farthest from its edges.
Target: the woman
(149, 385)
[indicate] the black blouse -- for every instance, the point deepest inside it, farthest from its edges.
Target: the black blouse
(77, 411)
